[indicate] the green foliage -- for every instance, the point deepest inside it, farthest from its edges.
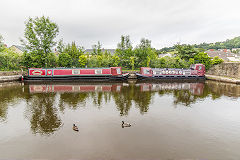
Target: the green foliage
(92, 62)
(10, 60)
(40, 34)
(64, 60)
(228, 44)
(115, 60)
(203, 58)
(185, 51)
(144, 53)
(124, 51)
(132, 62)
(97, 49)
(74, 51)
(82, 60)
(2, 47)
(60, 46)
(216, 60)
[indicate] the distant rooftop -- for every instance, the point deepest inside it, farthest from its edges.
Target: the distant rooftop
(19, 47)
(226, 56)
(112, 51)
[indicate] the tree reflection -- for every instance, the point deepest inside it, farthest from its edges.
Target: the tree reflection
(72, 100)
(123, 99)
(9, 94)
(184, 97)
(43, 114)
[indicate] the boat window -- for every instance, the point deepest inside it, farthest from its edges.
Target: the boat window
(98, 71)
(75, 71)
(146, 71)
(118, 71)
(192, 67)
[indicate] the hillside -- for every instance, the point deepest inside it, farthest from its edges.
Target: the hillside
(228, 44)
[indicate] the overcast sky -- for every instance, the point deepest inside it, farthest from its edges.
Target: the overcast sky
(164, 22)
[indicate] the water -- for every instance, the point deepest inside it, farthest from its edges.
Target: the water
(169, 121)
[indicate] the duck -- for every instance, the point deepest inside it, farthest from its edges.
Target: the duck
(125, 124)
(75, 128)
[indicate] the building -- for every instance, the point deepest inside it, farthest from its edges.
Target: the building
(17, 49)
(226, 56)
(111, 51)
(165, 55)
(225, 50)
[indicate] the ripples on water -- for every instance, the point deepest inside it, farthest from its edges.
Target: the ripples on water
(169, 121)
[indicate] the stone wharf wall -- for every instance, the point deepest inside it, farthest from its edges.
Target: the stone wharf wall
(228, 69)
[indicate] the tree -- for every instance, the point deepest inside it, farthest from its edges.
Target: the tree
(74, 51)
(60, 46)
(124, 51)
(64, 60)
(144, 53)
(203, 58)
(40, 34)
(115, 60)
(97, 49)
(1, 44)
(216, 60)
(132, 62)
(82, 60)
(186, 51)
(9, 60)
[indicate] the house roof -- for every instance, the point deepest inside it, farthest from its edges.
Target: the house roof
(19, 47)
(112, 51)
(223, 55)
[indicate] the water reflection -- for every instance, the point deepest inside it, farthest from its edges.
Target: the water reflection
(9, 94)
(45, 102)
(43, 114)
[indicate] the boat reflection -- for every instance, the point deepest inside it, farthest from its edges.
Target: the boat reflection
(194, 88)
(40, 88)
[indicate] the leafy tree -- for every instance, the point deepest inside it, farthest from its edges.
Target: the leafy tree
(191, 61)
(144, 53)
(1, 44)
(132, 62)
(82, 60)
(60, 46)
(115, 60)
(97, 49)
(124, 51)
(9, 60)
(74, 51)
(92, 62)
(216, 60)
(203, 58)
(40, 33)
(52, 60)
(186, 51)
(64, 60)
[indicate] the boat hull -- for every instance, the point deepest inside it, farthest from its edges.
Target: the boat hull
(169, 77)
(78, 78)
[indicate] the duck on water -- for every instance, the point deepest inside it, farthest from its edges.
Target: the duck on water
(125, 124)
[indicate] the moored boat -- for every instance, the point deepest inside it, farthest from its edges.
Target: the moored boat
(74, 74)
(196, 71)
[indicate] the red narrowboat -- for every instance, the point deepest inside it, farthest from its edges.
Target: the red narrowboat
(72, 74)
(196, 71)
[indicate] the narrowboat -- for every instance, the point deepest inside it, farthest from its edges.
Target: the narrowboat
(75, 74)
(196, 71)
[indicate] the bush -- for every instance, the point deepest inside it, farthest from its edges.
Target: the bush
(65, 60)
